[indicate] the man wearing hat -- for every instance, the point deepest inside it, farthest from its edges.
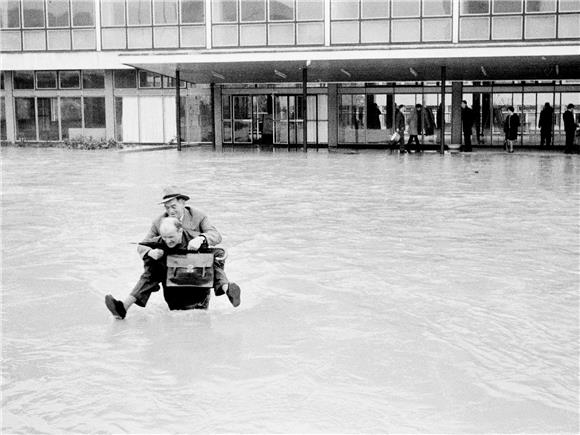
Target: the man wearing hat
(199, 230)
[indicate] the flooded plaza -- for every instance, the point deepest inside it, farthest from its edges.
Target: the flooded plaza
(380, 294)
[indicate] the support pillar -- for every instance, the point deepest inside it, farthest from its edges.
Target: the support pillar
(456, 97)
(332, 115)
(177, 109)
(442, 107)
(9, 106)
(217, 117)
(109, 105)
(304, 109)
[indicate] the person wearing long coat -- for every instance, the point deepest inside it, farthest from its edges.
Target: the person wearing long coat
(570, 128)
(415, 127)
(546, 123)
(511, 126)
(400, 127)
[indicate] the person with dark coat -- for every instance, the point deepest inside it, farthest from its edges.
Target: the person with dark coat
(400, 127)
(416, 127)
(467, 125)
(545, 124)
(510, 127)
(570, 126)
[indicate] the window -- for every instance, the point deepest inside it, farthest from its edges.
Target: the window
(507, 6)
(344, 9)
(436, 7)
(23, 80)
(540, 6)
(169, 82)
(375, 9)
(281, 10)
(569, 5)
(149, 80)
(113, 12)
(70, 117)
(58, 13)
(83, 13)
(69, 79)
(94, 112)
(33, 13)
(93, 79)
(192, 11)
(253, 10)
(474, 7)
(25, 109)
(476, 28)
(406, 8)
(165, 11)
(9, 14)
(46, 79)
(224, 11)
(125, 79)
(139, 12)
(309, 9)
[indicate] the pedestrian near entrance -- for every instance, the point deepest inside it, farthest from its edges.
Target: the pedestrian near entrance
(546, 124)
(400, 127)
(570, 126)
(180, 226)
(510, 127)
(467, 125)
(268, 124)
(415, 127)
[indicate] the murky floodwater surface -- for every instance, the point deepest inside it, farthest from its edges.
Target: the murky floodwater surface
(380, 293)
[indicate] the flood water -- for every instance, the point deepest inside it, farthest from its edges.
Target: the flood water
(380, 293)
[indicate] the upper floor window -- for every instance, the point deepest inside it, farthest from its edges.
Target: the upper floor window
(436, 7)
(253, 10)
(406, 8)
(309, 9)
(83, 13)
(139, 12)
(281, 10)
(58, 13)
(113, 12)
(507, 6)
(165, 11)
(540, 5)
(224, 11)
(474, 7)
(33, 13)
(9, 14)
(192, 11)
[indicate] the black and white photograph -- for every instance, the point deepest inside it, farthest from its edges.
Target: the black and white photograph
(290, 217)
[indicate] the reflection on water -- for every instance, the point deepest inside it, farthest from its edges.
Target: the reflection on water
(380, 294)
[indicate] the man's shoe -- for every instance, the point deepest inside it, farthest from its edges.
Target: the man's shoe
(233, 293)
(116, 307)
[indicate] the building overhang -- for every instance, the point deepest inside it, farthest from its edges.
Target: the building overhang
(412, 64)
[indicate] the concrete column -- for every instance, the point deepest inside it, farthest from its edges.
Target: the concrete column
(332, 115)
(9, 107)
(109, 105)
(217, 117)
(456, 97)
(304, 109)
(177, 109)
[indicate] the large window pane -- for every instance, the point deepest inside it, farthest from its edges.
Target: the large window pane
(197, 119)
(25, 118)
(33, 13)
(344, 32)
(375, 8)
(34, 40)
(375, 31)
(281, 9)
(507, 6)
(114, 38)
(253, 10)
(344, 9)
(540, 5)
(9, 14)
(253, 34)
(69, 79)
(309, 9)
(139, 37)
(474, 6)
(569, 5)
(192, 11)
(139, 12)
(406, 8)
(84, 39)
(94, 79)
(58, 13)
(46, 79)
(406, 30)
(48, 118)
(224, 36)
(11, 41)
(70, 117)
(83, 13)
(113, 12)
(281, 34)
(569, 26)
(165, 11)
(437, 29)
(506, 27)
(58, 39)
(149, 80)
(125, 79)
(94, 112)
(193, 36)
(538, 26)
(224, 11)
(474, 29)
(310, 33)
(166, 37)
(436, 7)
(24, 80)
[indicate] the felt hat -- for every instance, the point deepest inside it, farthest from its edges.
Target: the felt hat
(172, 192)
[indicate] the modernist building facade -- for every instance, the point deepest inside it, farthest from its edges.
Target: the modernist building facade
(108, 68)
